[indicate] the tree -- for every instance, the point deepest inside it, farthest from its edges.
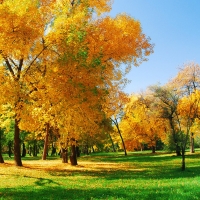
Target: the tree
(54, 54)
(167, 103)
(187, 82)
(141, 124)
(180, 111)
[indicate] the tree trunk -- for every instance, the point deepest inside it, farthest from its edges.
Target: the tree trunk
(53, 149)
(178, 150)
(153, 149)
(116, 124)
(192, 143)
(64, 153)
(1, 157)
(35, 148)
(183, 159)
(44, 156)
(86, 150)
(23, 150)
(9, 149)
(17, 152)
(113, 146)
(73, 157)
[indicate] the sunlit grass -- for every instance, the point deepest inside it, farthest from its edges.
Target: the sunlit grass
(103, 176)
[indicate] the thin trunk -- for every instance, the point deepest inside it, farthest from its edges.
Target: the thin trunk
(9, 149)
(44, 156)
(53, 149)
(192, 143)
(1, 157)
(141, 147)
(86, 151)
(30, 150)
(153, 149)
(73, 157)
(17, 153)
(64, 153)
(117, 125)
(183, 159)
(35, 148)
(23, 150)
(113, 146)
(178, 150)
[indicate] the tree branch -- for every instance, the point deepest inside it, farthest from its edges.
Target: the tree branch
(35, 59)
(10, 67)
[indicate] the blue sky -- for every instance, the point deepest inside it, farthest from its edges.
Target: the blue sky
(174, 28)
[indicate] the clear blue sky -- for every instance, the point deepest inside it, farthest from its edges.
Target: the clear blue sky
(174, 28)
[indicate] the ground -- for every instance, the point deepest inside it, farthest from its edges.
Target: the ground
(103, 176)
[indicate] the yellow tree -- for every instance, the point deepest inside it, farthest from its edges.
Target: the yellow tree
(60, 41)
(141, 124)
(188, 109)
(187, 82)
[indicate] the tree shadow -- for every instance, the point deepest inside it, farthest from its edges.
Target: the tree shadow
(88, 193)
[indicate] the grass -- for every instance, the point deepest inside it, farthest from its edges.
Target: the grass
(102, 176)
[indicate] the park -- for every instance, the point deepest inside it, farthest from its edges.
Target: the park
(68, 128)
(139, 175)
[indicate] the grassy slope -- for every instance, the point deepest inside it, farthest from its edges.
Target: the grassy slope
(103, 176)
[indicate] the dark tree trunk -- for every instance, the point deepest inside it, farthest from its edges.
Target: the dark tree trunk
(183, 159)
(17, 152)
(53, 149)
(44, 156)
(192, 143)
(178, 150)
(9, 149)
(64, 153)
(35, 150)
(153, 149)
(1, 157)
(117, 125)
(86, 150)
(30, 150)
(23, 150)
(113, 146)
(73, 157)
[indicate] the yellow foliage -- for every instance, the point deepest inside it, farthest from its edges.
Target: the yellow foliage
(61, 64)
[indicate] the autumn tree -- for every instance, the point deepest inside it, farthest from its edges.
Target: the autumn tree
(180, 111)
(187, 82)
(167, 105)
(56, 54)
(141, 123)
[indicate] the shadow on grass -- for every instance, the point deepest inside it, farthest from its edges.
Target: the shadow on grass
(89, 193)
(131, 174)
(136, 157)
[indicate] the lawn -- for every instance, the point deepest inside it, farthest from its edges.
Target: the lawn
(103, 176)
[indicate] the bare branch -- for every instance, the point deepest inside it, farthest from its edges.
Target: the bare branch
(35, 58)
(10, 67)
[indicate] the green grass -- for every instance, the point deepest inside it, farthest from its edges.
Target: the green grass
(103, 176)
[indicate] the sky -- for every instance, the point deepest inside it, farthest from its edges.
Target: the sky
(174, 29)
